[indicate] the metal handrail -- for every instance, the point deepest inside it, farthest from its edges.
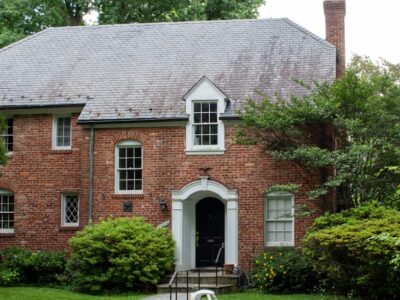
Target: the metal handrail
(216, 264)
(170, 286)
(175, 276)
(219, 252)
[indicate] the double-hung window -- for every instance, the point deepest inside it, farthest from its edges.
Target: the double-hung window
(129, 167)
(279, 219)
(205, 123)
(69, 210)
(62, 132)
(6, 212)
(7, 135)
(205, 129)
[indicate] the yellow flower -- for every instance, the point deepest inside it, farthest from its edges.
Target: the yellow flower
(284, 272)
(281, 266)
(271, 257)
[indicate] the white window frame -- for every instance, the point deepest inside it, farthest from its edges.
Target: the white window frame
(8, 193)
(63, 207)
(5, 135)
(134, 144)
(206, 124)
(54, 133)
(291, 219)
(205, 91)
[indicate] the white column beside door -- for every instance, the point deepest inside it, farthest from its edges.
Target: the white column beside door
(177, 231)
(231, 248)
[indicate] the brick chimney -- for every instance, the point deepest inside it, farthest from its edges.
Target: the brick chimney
(335, 11)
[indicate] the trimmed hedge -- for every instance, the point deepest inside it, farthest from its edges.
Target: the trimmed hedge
(124, 253)
(24, 266)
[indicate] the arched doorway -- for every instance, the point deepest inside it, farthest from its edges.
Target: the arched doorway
(210, 231)
(184, 202)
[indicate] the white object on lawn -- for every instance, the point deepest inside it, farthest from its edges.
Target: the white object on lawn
(197, 295)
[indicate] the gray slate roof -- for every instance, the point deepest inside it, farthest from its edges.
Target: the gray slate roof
(142, 71)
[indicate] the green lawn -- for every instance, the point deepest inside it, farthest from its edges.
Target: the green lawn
(255, 296)
(33, 293)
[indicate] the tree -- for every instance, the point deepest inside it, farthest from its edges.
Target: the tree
(20, 18)
(350, 129)
(142, 11)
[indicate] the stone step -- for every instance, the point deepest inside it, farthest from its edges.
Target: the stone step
(220, 289)
(208, 278)
(205, 280)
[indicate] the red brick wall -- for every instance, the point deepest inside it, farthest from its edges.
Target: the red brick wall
(38, 175)
(335, 12)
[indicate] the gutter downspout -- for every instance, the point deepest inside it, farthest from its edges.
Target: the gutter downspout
(91, 160)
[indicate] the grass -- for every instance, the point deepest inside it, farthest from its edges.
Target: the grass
(257, 296)
(35, 293)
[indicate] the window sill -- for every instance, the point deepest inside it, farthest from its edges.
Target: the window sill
(61, 151)
(279, 245)
(127, 196)
(69, 228)
(7, 234)
(209, 151)
(9, 154)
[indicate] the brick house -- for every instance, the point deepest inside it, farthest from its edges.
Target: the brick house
(139, 120)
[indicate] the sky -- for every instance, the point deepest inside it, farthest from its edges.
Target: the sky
(372, 26)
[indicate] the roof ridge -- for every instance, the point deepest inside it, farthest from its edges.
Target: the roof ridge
(23, 40)
(166, 23)
(309, 33)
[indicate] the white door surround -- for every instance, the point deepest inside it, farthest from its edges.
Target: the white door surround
(184, 220)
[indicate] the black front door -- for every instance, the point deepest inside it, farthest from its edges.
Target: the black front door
(210, 231)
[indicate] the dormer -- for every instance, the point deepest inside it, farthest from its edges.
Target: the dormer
(205, 133)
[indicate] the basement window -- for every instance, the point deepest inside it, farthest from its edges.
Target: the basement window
(69, 210)
(6, 212)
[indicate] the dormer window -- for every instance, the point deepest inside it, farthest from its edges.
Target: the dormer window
(205, 131)
(205, 123)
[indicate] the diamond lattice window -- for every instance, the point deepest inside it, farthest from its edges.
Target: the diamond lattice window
(70, 210)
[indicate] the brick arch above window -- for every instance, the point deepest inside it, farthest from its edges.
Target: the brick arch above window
(7, 185)
(129, 135)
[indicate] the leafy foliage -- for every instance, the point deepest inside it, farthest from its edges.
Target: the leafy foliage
(112, 12)
(120, 253)
(349, 250)
(18, 265)
(351, 125)
(20, 18)
(284, 270)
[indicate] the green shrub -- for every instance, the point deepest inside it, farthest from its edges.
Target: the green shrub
(349, 249)
(120, 254)
(284, 270)
(18, 265)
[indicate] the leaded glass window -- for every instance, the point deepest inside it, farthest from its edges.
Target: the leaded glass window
(70, 210)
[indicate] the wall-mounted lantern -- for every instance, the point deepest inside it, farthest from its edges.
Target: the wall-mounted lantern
(163, 204)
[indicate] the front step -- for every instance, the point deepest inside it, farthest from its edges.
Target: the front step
(226, 282)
